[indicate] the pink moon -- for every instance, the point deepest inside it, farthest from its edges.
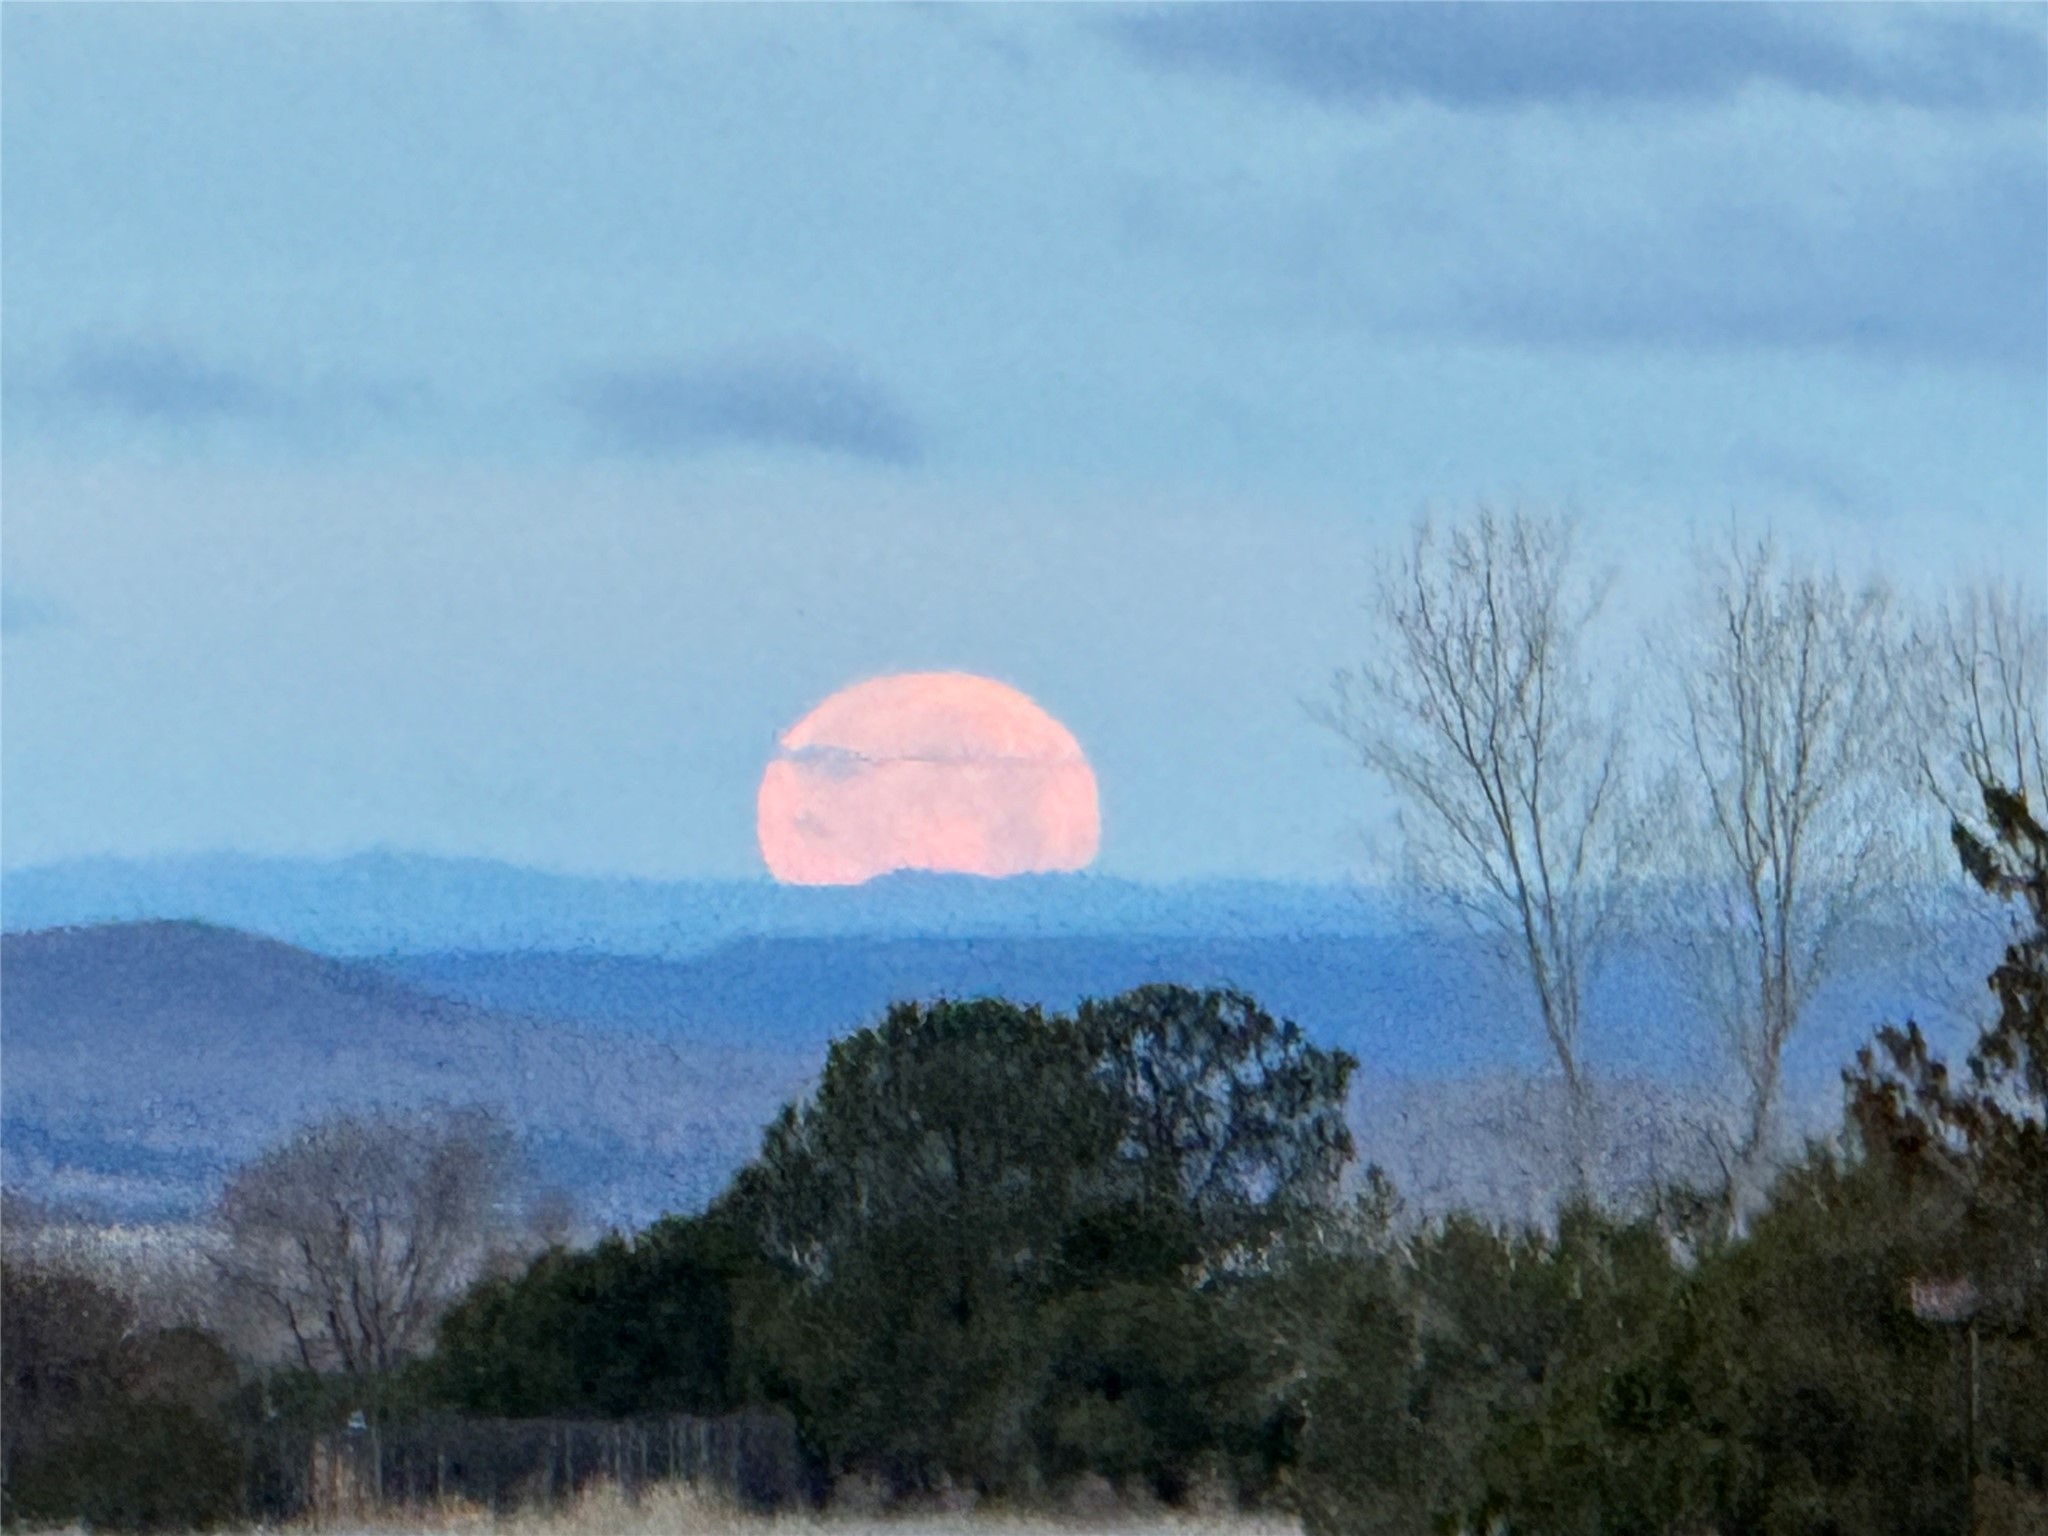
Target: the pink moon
(937, 771)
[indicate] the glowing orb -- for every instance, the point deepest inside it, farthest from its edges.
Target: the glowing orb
(926, 770)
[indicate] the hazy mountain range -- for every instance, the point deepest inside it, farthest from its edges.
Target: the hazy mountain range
(385, 903)
(639, 1034)
(144, 1059)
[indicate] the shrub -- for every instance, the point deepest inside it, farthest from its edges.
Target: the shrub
(137, 1466)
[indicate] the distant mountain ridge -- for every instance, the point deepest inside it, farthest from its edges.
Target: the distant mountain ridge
(145, 1060)
(1434, 1005)
(640, 1033)
(389, 903)
(142, 1060)
(1382, 996)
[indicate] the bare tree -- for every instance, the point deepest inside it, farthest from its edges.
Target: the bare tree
(1478, 712)
(1979, 702)
(1983, 698)
(1791, 750)
(359, 1231)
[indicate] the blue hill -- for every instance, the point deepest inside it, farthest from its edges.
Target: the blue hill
(1409, 1005)
(145, 1059)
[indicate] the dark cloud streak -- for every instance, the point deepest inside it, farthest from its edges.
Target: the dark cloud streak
(1504, 55)
(1966, 281)
(156, 381)
(750, 400)
(146, 386)
(1605, 240)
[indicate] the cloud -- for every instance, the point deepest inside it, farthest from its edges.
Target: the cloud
(23, 609)
(1961, 274)
(119, 387)
(1796, 473)
(1772, 226)
(1505, 55)
(750, 400)
(157, 381)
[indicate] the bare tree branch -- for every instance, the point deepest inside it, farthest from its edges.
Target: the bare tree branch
(1790, 799)
(1478, 713)
(358, 1232)
(1980, 696)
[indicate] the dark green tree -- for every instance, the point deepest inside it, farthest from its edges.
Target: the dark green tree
(1154, 1386)
(917, 1208)
(1828, 1404)
(1227, 1112)
(120, 1428)
(629, 1326)
(59, 1331)
(1476, 1376)
(1968, 1151)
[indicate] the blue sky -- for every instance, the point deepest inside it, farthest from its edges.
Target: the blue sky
(480, 429)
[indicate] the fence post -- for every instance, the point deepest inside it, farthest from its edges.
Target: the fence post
(1970, 1435)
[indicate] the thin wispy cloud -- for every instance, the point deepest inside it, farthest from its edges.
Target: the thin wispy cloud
(1788, 471)
(159, 381)
(23, 609)
(1483, 56)
(759, 400)
(147, 388)
(1675, 237)
(1889, 272)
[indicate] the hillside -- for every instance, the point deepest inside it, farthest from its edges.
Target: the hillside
(141, 1059)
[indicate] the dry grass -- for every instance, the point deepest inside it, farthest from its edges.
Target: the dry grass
(679, 1510)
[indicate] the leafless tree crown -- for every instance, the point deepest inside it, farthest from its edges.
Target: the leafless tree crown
(1983, 698)
(1789, 737)
(1478, 711)
(358, 1232)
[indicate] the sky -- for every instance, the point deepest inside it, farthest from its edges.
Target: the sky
(480, 430)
